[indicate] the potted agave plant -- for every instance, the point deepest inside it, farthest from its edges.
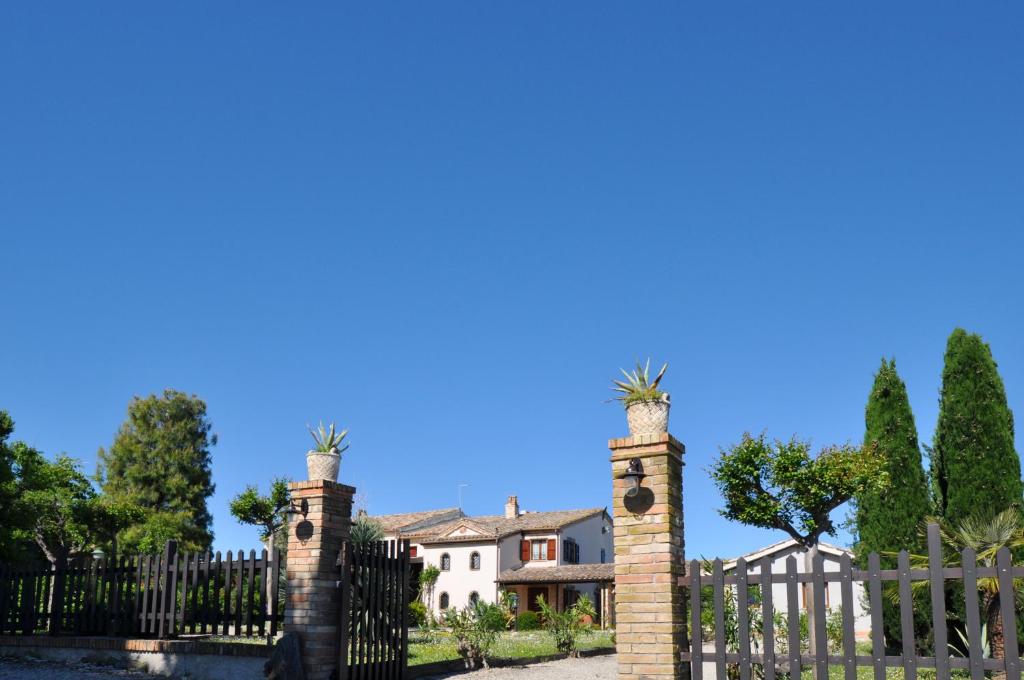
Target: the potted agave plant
(646, 405)
(324, 460)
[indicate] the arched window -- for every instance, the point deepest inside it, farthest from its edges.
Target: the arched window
(443, 601)
(474, 597)
(474, 561)
(446, 562)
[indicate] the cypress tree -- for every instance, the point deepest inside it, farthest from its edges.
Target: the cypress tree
(975, 469)
(160, 461)
(889, 520)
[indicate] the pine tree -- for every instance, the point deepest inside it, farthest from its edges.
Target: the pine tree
(975, 469)
(889, 521)
(160, 460)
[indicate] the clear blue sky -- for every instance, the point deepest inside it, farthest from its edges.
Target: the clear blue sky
(446, 225)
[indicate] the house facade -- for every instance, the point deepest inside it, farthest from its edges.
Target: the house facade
(779, 552)
(558, 555)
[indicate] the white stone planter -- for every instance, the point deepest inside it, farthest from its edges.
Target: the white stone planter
(323, 466)
(648, 417)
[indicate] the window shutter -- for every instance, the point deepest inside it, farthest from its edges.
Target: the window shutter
(551, 549)
(524, 551)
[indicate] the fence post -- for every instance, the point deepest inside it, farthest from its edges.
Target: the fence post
(57, 598)
(169, 600)
(317, 527)
(650, 606)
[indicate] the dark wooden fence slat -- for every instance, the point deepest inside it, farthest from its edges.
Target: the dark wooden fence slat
(374, 611)
(143, 595)
(768, 621)
(264, 581)
(820, 650)
(186, 612)
(204, 619)
(405, 609)
(937, 588)
(250, 601)
(793, 614)
(1007, 611)
(906, 616)
(743, 618)
(227, 593)
(846, 604)
(969, 562)
(359, 623)
(196, 601)
(215, 605)
(275, 575)
(174, 574)
(875, 606)
(718, 600)
(344, 606)
(239, 587)
(696, 631)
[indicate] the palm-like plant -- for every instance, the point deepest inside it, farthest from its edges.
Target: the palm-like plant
(328, 440)
(638, 386)
(986, 538)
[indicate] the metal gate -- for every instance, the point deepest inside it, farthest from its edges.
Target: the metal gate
(374, 611)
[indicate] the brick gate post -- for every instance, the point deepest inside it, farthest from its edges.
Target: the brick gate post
(314, 543)
(650, 608)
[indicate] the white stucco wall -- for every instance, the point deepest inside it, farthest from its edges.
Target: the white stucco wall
(460, 580)
(588, 534)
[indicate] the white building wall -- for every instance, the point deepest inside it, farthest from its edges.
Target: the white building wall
(591, 537)
(460, 580)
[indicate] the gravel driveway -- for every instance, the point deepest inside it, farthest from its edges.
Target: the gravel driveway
(601, 667)
(30, 669)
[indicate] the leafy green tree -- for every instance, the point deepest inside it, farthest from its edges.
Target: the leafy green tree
(975, 469)
(160, 460)
(567, 627)
(887, 521)
(778, 485)
(62, 512)
(265, 512)
(8, 492)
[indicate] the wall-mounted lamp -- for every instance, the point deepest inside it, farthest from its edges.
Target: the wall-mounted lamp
(303, 508)
(634, 472)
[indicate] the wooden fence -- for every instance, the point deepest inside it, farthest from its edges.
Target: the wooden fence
(163, 596)
(738, 660)
(374, 610)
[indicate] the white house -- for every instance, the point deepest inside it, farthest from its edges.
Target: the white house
(778, 553)
(558, 555)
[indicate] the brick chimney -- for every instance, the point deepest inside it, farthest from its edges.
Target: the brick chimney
(512, 507)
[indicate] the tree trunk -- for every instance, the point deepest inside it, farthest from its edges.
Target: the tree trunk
(996, 639)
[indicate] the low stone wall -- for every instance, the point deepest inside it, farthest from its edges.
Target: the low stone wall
(194, 659)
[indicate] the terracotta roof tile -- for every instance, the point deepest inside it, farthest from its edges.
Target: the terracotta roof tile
(565, 573)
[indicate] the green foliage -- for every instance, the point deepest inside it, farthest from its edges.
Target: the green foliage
(638, 385)
(888, 521)
(975, 469)
(475, 638)
(778, 485)
(328, 440)
(429, 575)
(366, 531)
(8, 492)
(417, 613)
(266, 512)
(160, 460)
(568, 626)
(60, 509)
(528, 620)
(492, 616)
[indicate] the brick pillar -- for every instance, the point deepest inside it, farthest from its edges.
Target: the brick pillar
(650, 608)
(314, 543)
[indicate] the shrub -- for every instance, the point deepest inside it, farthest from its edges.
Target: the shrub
(492, 617)
(568, 626)
(475, 640)
(417, 613)
(528, 621)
